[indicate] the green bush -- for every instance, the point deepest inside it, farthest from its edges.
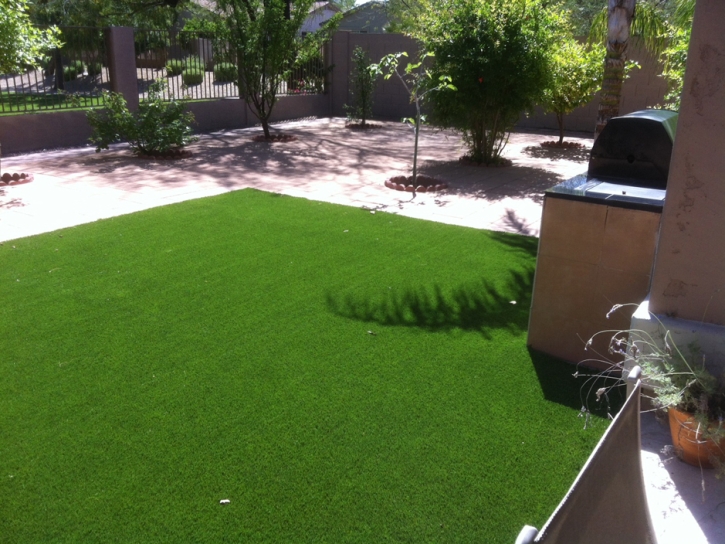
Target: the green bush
(497, 54)
(193, 63)
(158, 125)
(94, 68)
(362, 86)
(174, 67)
(72, 70)
(225, 72)
(205, 28)
(192, 76)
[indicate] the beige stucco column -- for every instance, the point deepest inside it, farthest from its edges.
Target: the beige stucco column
(689, 272)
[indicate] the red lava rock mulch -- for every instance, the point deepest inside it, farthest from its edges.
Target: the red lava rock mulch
(273, 138)
(16, 179)
(170, 155)
(466, 159)
(360, 126)
(563, 145)
(426, 184)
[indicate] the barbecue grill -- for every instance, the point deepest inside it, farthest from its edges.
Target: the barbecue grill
(629, 162)
(599, 234)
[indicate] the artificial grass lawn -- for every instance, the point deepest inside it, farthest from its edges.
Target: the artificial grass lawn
(13, 103)
(156, 363)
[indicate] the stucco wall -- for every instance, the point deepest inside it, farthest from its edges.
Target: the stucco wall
(34, 132)
(390, 100)
(591, 256)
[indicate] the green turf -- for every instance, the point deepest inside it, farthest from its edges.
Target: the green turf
(14, 103)
(154, 364)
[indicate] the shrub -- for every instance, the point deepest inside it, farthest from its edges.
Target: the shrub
(225, 72)
(72, 70)
(198, 27)
(174, 67)
(192, 76)
(193, 63)
(94, 68)
(497, 53)
(362, 85)
(157, 127)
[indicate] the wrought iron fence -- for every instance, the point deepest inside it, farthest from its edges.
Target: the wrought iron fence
(197, 66)
(72, 76)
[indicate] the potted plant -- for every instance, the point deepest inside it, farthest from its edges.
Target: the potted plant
(677, 380)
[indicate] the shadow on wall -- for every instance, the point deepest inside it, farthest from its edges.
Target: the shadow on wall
(560, 385)
(477, 307)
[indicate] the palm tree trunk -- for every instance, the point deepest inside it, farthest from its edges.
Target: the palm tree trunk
(619, 23)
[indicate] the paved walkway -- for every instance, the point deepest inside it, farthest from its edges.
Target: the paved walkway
(328, 162)
(331, 163)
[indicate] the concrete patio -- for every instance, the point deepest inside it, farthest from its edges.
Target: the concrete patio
(327, 162)
(331, 163)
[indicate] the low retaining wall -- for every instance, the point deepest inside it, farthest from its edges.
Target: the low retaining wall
(38, 131)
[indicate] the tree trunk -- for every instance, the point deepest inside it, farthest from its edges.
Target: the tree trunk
(560, 121)
(619, 23)
(265, 128)
(415, 148)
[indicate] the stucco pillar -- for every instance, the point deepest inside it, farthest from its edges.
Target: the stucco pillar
(689, 272)
(122, 63)
(340, 73)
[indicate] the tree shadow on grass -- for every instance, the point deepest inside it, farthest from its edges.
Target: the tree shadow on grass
(479, 307)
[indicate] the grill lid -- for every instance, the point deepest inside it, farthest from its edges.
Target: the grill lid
(635, 148)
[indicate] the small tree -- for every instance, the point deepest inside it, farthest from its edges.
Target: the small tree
(265, 36)
(497, 53)
(362, 83)
(158, 126)
(22, 44)
(419, 82)
(576, 75)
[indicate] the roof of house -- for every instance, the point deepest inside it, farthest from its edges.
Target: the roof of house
(371, 18)
(325, 5)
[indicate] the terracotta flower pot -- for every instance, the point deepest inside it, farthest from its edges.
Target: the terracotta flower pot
(689, 443)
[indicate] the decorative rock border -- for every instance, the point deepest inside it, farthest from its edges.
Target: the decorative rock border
(563, 145)
(16, 178)
(171, 155)
(426, 184)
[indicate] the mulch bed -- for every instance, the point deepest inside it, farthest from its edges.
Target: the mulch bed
(425, 184)
(275, 138)
(16, 178)
(466, 159)
(170, 155)
(563, 145)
